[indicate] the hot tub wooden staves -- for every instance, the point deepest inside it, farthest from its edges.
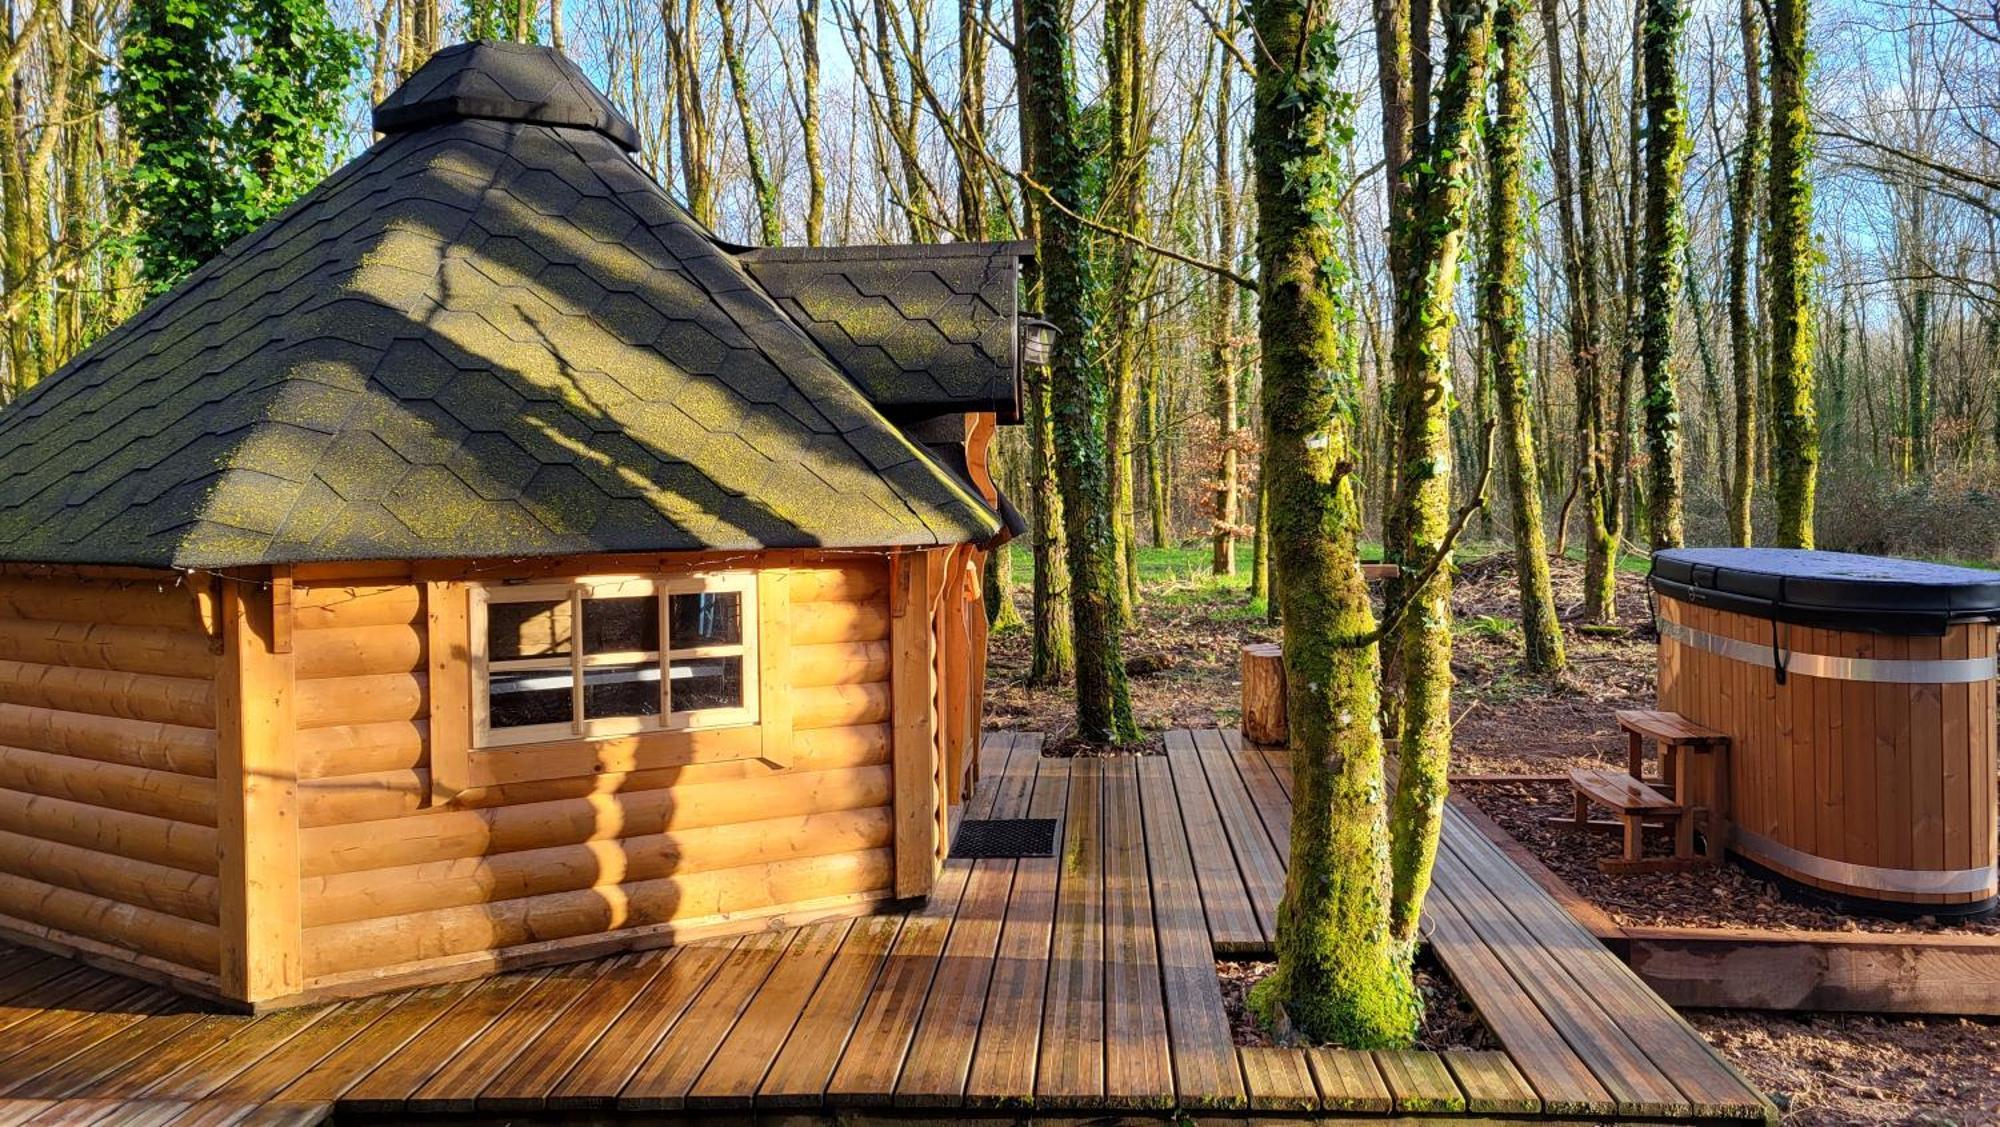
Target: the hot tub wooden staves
(1862, 755)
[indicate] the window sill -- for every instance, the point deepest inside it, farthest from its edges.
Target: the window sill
(610, 755)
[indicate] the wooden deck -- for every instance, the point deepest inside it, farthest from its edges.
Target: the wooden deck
(1076, 984)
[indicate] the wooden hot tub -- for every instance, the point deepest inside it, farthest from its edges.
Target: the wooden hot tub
(1858, 694)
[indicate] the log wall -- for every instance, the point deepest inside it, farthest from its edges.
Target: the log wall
(396, 884)
(108, 752)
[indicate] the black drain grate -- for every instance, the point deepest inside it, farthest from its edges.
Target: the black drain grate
(1006, 837)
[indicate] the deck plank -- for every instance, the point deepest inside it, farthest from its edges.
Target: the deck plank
(663, 1080)
(1263, 870)
(1278, 1079)
(1138, 1069)
(1491, 1083)
(1004, 1060)
(104, 1058)
(1565, 1083)
(1618, 1064)
(940, 1058)
(1207, 1074)
(798, 1078)
(525, 1083)
(50, 1044)
(1712, 1086)
(269, 1074)
(605, 1069)
(1419, 1082)
(1069, 1072)
(251, 1042)
(1080, 983)
(1234, 925)
(389, 1084)
(745, 1056)
(340, 1070)
(1272, 802)
(1349, 1081)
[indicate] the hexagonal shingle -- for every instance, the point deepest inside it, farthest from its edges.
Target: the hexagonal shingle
(490, 334)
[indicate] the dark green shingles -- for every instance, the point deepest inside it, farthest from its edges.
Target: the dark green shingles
(477, 339)
(921, 330)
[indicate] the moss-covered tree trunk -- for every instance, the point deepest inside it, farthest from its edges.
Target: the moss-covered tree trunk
(1341, 977)
(1124, 207)
(1576, 224)
(1440, 187)
(808, 25)
(762, 188)
(1051, 655)
(1660, 265)
(1743, 343)
(1917, 376)
(1222, 352)
(1079, 391)
(1504, 284)
(1795, 425)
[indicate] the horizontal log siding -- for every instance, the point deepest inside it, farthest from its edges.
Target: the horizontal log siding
(392, 881)
(107, 769)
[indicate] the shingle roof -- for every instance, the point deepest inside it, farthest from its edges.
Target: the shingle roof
(479, 338)
(922, 329)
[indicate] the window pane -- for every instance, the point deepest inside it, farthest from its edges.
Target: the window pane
(535, 629)
(707, 682)
(528, 697)
(706, 618)
(621, 690)
(624, 625)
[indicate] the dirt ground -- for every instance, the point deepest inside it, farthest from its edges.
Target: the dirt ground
(1450, 1022)
(1823, 1069)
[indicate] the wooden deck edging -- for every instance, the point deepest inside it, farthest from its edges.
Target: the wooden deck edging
(1069, 986)
(1772, 969)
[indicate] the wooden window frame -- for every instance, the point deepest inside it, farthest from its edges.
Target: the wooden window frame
(465, 756)
(579, 592)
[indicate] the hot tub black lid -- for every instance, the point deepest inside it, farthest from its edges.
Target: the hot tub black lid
(1832, 589)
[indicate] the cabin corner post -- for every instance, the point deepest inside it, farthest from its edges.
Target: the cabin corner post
(257, 807)
(912, 722)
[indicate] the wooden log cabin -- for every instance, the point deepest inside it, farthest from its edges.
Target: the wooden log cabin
(484, 565)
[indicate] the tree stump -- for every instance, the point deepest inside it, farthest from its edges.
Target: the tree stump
(1264, 693)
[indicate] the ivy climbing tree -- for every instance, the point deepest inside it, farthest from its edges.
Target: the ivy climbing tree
(1794, 422)
(1341, 977)
(1079, 387)
(232, 107)
(1502, 286)
(1660, 263)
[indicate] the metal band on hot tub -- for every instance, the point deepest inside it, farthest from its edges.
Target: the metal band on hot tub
(1873, 877)
(1888, 670)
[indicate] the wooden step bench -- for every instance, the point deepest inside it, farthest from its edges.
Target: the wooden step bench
(1690, 753)
(1634, 802)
